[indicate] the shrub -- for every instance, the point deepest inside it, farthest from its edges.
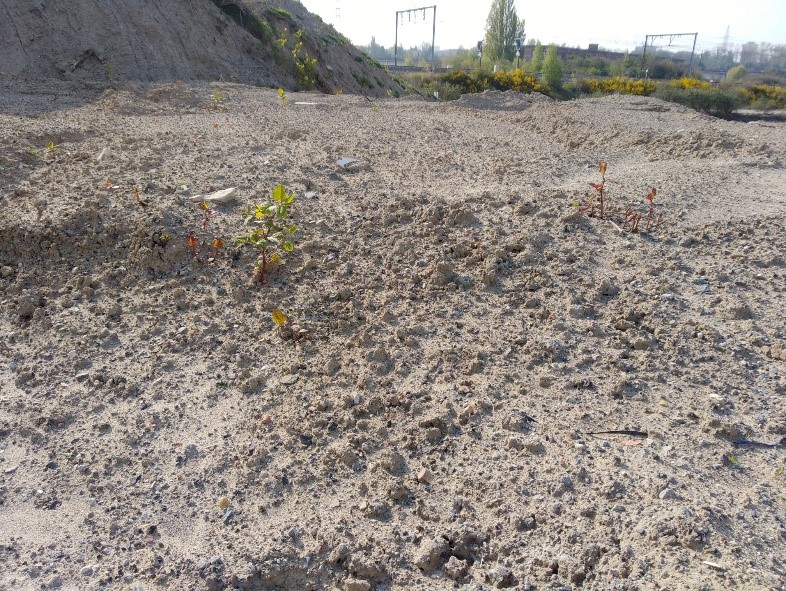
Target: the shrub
(552, 68)
(616, 84)
(736, 74)
(715, 101)
(687, 83)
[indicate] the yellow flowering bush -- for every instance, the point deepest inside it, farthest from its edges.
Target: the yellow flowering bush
(689, 83)
(617, 84)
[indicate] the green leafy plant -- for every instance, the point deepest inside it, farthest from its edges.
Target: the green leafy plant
(272, 232)
(305, 65)
(217, 101)
(288, 329)
(51, 152)
(282, 97)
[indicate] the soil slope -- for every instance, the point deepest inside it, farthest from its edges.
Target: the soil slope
(248, 41)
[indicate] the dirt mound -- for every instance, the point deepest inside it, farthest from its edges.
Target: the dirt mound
(266, 43)
(494, 100)
(494, 391)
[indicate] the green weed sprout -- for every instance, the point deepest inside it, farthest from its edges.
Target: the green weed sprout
(282, 96)
(272, 232)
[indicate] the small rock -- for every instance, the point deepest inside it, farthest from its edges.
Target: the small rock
(104, 155)
(223, 503)
(667, 494)
(54, 583)
(425, 476)
(377, 509)
(339, 554)
(86, 571)
(398, 491)
(429, 556)
(525, 523)
(501, 577)
(456, 568)
(223, 196)
(191, 451)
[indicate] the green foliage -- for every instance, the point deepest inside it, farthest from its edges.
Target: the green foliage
(282, 97)
(502, 28)
(736, 74)
(272, 231)
(217, 101)
(362, 80)
(764, 96)
(715, 101)
(552, 68)
(305, 65)
(536, 65)
(664, 69)
(282, 14)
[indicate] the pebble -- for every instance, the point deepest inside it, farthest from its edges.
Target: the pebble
(191, 451)
(54, 583)
(223, 502)
(86, 571)
(425, 476)
(667, 494)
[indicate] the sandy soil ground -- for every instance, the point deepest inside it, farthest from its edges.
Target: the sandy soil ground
(494, 390)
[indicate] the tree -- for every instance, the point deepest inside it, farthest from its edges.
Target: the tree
(502, 28)
(552, 68)
(736, 74)
(536, 65)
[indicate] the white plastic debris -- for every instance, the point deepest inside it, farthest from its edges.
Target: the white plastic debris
(346, 161)
(104, 155)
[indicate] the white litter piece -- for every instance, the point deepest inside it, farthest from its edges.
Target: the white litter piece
(346, 161)
(306, 103)
(223, 196)
(105, 153)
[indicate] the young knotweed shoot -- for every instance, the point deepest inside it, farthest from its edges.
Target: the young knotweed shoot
(272, 232)
(194, 244)
(282, 96)
(632, 219)
(288, 329)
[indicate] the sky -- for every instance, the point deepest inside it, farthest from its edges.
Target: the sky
(614, 24)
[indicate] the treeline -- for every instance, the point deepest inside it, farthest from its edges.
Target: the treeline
(763, 58)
